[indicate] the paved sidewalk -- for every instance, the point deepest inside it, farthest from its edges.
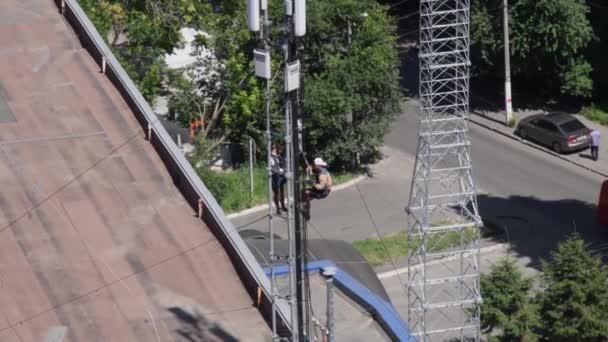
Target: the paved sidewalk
(264, 207)
(373, 205)
(495, 122)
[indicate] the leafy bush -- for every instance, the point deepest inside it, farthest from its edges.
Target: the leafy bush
(507, 304)
(574, 304)
(596, 114)
(352, 85)
(571, 306)
(548, 44)
(576, 78)
(232, 189)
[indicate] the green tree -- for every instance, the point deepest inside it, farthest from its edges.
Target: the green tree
(574, 304)
(141, 32)
(220, 88)
(507, 304)
(548, 39)
(599, 49)
(351, 88)
(343, 74)
(349, 60)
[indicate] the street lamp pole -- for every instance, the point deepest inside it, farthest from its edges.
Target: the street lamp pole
(508, 99)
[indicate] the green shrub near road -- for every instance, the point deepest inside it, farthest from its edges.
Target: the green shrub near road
(574, 303)
(571, 303)
(596, 114)
(376, 253)
(395, 246)
(232, 189)
(508, 312)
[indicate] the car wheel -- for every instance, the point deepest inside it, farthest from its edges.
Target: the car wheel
(557, 148)
(522, 133)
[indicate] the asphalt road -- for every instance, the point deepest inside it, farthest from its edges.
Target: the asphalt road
(507, 167)
(537, 197)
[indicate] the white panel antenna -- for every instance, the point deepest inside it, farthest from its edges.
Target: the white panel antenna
(289, 8)
(292, 76)
(253, 15)
(262, 63)
(299, 18)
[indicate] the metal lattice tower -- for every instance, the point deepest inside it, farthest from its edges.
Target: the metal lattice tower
(443, 284)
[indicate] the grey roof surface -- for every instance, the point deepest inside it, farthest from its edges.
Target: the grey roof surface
(96, 243)
(353, 323)
(341, 253)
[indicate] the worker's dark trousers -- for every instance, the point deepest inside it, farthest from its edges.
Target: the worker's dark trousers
(594, 152)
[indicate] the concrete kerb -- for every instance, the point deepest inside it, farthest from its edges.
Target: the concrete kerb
(265, 206)
(513, 137)
(403, 270)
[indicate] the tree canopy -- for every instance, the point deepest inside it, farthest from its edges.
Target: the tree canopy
(220, 87)
(574, 303)
(508, 304)
(571, 304)
(351, 91)
(141, 32)
(549, 39)
(350, 88)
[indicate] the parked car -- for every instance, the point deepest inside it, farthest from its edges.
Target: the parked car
(560, 131)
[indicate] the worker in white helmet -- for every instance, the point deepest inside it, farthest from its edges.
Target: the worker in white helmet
(323, 181)
(321, 186)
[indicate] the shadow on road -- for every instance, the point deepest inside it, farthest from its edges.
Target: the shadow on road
(586, 156)
(410, 70)
(535, 226)
(196, 328)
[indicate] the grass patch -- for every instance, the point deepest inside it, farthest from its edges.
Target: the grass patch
(395, 246)
(343, 177)
(596, 114)
(232, 189)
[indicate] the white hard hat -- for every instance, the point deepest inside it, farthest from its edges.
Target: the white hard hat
(320, 162)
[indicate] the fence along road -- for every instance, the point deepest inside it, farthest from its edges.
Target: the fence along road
(97, 244)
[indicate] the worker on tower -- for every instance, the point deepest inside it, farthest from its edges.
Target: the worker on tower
(321, 186)
(323, 181)
(277, 168)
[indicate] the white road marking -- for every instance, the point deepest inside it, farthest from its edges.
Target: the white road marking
(403, 270)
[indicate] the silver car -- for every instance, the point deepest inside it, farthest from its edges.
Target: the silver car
(560, 131)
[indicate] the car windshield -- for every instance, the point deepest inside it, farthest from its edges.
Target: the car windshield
(572, 126)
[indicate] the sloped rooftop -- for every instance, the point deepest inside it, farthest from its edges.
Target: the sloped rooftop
(96, 243)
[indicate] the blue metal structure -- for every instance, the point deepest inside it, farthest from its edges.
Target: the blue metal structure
(383, 311)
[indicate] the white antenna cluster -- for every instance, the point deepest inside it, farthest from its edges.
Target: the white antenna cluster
(295, 23)
(295, 8)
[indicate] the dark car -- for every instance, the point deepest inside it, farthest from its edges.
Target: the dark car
(560, 131)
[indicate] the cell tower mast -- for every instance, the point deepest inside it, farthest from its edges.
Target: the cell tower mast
(295, 28)
(443, 285)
